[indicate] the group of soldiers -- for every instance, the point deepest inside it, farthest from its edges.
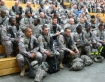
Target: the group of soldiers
(51, 29)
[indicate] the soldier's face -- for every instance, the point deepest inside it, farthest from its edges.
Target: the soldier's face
(28, 14)
(13, 22)
(67, 32)
(45, 31)
(101, 28)
(28, 32)
(3, 14)
(54, 21)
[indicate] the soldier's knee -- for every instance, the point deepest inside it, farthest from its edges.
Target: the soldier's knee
(38, 56)
(20, 57)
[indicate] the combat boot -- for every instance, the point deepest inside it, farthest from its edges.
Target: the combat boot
(22, 72)
(8, 56)
(61, 65)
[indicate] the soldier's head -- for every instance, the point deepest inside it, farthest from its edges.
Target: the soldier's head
(45, 29)
(101, 27)
(2, 2)
(75, 6)
(67, 31)
(79, 29)
(36, 21)
(41, 5)
(87, 27)
(71, 21)
(54, 20)
(28, 14)
(42, 15)
(28, 4)
(82, 20)
(12, 21)
(16, 3)
(3, 13)
(28, 32)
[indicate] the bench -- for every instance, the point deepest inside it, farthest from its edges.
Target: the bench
(67, 4)
(8, 66)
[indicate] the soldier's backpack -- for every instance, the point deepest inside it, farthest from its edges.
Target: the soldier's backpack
(32, 71)
(52, 61)
(87, 60)
(77, 64)
(53, 64)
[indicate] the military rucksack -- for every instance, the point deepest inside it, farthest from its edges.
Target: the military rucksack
(53, 64)
(87, 60)
(77, 64)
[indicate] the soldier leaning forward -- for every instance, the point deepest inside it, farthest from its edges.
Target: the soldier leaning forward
(46, 44)
(10, 36)
(67, 45)
(29, 47)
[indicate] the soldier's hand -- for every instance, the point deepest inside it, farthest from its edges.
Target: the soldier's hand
(17, 16)
(47, 53)
(32, 55)
(71, 52)
(58, 33)
(103, 41)
(77, 42)
(77, 51)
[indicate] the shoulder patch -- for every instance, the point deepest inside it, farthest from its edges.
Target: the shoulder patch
(22, 40)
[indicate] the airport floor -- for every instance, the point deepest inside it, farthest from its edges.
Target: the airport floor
(93, 73)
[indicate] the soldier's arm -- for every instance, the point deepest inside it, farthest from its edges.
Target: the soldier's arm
(22, 49)
(61, 43)
(5, 36)
(41, 44)
(36, 45)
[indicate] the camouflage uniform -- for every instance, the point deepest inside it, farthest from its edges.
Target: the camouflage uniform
(26, 47)
(8, 36)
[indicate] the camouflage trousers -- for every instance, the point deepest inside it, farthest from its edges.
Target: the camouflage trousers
(8, 47)
(21, 60)
(86, 49)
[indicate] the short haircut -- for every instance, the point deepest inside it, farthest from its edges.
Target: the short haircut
(44, 26)
(79, 27)
(27, 29)
(100, 25)
(66, 29)
(11, 18)
(54, 18)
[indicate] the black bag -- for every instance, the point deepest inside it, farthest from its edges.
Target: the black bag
(53, 64)
(52, 61)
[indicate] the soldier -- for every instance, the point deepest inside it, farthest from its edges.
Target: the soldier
(82, 23)
(26, 21)
(41, 9)
(3, 7)
(71, 25)
(100, 34)
(28, 47)
(17, 11)
(55, 29)
(46, 45)
(4, 18)
(67, 46)
(80, 41)
(28, 8)
(74, 10)
(91, 38)
(10, 36)
(36, 28)
(43, 18)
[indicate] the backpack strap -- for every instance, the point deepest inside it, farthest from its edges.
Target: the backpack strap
(3, 20)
